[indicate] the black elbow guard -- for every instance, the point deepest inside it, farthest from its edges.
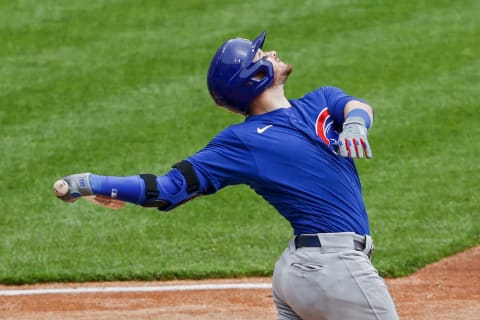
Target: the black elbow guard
(185, 167)
(152, 193)
(165, 201)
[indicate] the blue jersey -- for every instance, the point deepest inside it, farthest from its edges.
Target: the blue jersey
(288, 157)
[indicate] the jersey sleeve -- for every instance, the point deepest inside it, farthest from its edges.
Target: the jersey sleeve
(336, 101)
(224, 161)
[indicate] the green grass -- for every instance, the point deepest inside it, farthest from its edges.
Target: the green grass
(118, 88)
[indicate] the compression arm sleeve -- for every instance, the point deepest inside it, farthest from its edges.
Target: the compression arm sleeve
(172, 188)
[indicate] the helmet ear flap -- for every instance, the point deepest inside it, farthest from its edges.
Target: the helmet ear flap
(259, 75)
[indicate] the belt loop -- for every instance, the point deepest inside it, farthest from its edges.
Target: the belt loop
(291, 244)
(368, 246)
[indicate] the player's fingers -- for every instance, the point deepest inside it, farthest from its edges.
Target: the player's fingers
(358, 148)
(350, 149)
(342, 150)
(366, 147)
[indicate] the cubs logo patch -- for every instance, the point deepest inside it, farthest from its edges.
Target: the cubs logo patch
(324, 128)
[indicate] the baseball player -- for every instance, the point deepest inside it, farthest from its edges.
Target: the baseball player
(298, 154)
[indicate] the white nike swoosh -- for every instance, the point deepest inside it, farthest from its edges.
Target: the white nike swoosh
(262, 130)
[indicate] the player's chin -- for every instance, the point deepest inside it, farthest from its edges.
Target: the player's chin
(287, 69)
(282, 76)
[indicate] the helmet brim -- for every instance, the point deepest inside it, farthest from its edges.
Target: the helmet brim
(257, 43)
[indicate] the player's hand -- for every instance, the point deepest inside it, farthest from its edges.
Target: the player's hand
(352, 141)
(77, 186)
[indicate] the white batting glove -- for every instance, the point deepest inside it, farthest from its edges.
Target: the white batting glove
(352, 141)
(78, 186)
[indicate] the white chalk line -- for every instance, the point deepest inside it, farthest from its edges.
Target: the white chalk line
(172, 288)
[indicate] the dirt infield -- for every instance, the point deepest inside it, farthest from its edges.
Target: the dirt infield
(449, 289)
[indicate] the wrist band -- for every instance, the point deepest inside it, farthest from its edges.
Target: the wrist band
(361, 113)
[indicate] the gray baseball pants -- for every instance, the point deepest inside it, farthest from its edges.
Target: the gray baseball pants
(334, 281)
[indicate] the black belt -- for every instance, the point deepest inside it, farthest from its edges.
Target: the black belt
(311, 240)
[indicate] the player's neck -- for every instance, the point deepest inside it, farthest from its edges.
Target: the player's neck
(271, 99)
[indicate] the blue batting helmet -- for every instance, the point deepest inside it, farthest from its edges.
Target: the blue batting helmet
(233, 79)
